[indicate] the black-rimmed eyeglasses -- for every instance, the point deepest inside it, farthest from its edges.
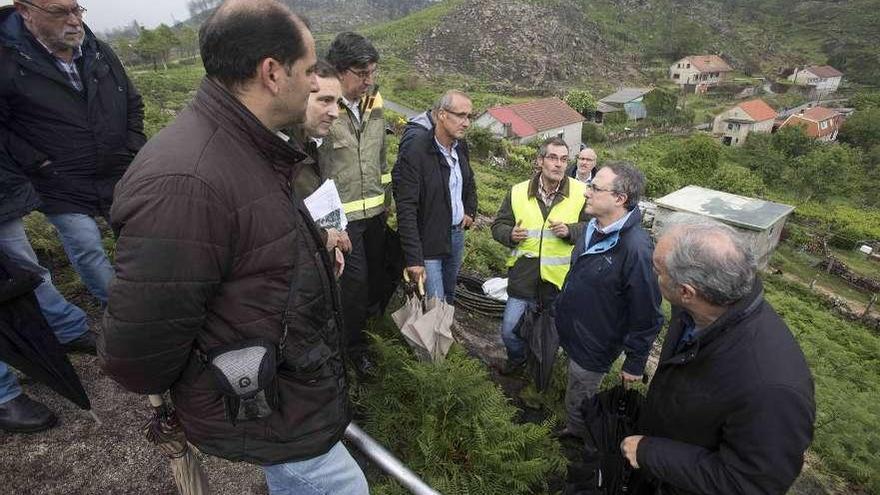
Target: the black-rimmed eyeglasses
(57, 11)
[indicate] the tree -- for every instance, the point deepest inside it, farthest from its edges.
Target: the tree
(862, 129)
(695, 159)
(828, 171)
(793, 142)
(581, 100)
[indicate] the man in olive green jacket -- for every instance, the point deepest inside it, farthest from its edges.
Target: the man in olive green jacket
(353, 155)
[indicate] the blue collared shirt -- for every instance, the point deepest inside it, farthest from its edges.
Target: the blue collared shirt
(594, 227)
(455, 181)
(69, 69)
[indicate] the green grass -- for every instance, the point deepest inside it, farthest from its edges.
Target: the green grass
(845, 360)
(858, 263)
(802, 265)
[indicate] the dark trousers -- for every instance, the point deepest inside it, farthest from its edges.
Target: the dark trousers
(362, 282)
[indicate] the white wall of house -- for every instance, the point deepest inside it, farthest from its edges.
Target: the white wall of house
(571, 134)
(683, 72)
(823, 85)
(731, 124)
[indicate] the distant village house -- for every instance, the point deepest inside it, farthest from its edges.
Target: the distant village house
(629, 100)
(824, 79)
(535, 120)
(699, 72)
(733, 125)
(819, 123)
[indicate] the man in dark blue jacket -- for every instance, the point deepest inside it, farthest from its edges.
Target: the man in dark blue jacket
(70, 119)
(18, 412)
(610, 301)
(731, 408)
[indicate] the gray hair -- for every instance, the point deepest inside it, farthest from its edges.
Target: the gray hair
(551, 141)
(445, 101)
(708, 256)
(629, 181)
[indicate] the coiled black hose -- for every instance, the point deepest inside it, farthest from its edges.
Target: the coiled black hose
(469, 295)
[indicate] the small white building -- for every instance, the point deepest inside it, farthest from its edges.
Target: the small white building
(734, 125)
(535, 120)
(699, 71)
(760, 222)
(823, 78)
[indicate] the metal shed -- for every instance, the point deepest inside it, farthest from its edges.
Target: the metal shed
(760, 222)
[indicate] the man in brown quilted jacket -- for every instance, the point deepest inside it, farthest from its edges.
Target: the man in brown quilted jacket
(214, 249)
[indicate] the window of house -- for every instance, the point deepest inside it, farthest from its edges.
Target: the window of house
(676, 75)
(688, 66)
(823, 125)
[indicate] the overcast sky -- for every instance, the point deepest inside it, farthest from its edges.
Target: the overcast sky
(108, 14)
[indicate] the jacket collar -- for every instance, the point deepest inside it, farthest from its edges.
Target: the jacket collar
(610, 242)
(739, 311)
(218, 103)
(564, 187)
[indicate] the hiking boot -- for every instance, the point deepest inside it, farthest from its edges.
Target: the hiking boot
(84, 344)
(25, 415)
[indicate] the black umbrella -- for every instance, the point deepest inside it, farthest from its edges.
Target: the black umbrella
(538, 329)
(26, 340)
(610, 416)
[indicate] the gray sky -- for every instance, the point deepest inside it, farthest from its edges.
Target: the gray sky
(108, 14)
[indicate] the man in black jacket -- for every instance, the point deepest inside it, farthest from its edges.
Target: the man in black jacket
(436, 197)
(18, 412)
(70, 119)
(610, 302)
(584, 168)
(730, 409)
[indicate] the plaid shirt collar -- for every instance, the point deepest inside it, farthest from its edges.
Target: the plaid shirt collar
(69, 69)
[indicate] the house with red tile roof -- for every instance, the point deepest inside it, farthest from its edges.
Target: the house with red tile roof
(535, 120)
(734, 124)
(823, 78)
(699, 71)
(819, 123)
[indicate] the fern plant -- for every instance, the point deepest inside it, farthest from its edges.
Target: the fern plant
(452, 425)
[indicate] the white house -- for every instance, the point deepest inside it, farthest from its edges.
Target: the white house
(734, 124)
(700, 71)
(823, 78)
(538, 119)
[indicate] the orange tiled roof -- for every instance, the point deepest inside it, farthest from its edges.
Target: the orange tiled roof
(758, 110)
(536, 116)
(709, 63)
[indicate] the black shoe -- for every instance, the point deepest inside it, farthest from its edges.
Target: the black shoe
(84, 344)
(25, 415)
(512, 367)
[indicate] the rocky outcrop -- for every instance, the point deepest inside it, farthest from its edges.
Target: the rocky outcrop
(518, 44)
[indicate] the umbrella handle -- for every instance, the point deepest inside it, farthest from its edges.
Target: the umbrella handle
(421, 284)
(156, 400)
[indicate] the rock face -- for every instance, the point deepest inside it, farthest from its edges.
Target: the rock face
(342, 15)
(517, 43)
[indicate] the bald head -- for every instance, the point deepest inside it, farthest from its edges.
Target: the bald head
(240, 34)
(709, 258)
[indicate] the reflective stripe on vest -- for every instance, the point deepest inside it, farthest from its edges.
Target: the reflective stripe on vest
(541, 242)
(386, 179)
(364, 204)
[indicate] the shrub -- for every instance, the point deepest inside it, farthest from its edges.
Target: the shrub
(737, 180)
(581, 100)
(592, 134)
(454, 426)
(482, 143)
(483, 254)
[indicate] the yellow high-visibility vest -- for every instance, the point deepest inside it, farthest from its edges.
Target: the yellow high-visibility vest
(554, 253)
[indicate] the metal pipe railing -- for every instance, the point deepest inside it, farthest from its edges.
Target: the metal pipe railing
(387, 462)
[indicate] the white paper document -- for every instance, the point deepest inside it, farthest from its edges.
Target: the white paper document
(326, 208)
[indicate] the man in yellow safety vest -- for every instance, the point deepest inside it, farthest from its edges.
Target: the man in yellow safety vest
(539, 221)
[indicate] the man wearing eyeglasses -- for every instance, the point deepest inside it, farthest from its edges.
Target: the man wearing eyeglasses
(539, 221)
(354, 157)
(436, 197)
(584, 168)
(70, 120)
(611, 301)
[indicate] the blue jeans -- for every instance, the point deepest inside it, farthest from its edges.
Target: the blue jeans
(82, 242)
(335, 472)
(66, 320)
(441, 273)
(513, 311)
